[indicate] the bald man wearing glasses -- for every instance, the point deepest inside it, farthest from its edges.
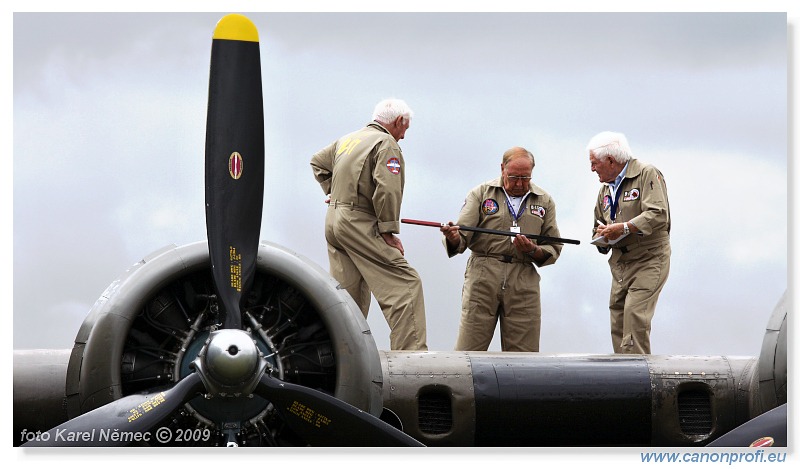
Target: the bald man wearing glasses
(501, 283)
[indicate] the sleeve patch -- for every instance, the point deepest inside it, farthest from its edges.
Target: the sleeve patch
(393, 165)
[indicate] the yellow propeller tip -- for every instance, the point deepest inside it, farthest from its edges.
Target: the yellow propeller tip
(236, 27)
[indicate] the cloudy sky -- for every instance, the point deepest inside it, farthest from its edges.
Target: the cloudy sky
(109, 125)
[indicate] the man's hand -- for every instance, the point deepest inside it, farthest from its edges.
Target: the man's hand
(614, 230)
(450, 232)
(393, 241)
(525, 245)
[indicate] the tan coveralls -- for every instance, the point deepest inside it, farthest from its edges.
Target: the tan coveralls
(364, 173)
(640, 262)
(500, 283)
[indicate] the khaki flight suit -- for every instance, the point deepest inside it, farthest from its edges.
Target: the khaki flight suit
(639, 262)
(500, 283)
(364, 173)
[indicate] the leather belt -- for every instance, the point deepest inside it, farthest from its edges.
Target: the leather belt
(339, 203)
(352, 206)
(653, 240)
(505, 258)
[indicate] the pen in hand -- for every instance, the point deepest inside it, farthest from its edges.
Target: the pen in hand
(600, 226)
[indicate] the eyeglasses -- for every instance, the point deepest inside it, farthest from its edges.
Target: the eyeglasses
(516, 179)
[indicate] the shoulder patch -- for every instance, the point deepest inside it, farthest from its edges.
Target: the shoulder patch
(489, 207)
(393, 165)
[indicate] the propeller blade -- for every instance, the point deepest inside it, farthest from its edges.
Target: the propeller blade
(126, 421)
(323, 420)
(234, 161)
(768, 429)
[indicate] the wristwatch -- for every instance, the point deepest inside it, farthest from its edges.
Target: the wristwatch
(625, 229)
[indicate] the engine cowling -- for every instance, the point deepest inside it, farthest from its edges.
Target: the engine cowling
(149, 325)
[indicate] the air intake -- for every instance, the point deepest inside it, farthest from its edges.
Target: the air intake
(435, 413)
(694, 412)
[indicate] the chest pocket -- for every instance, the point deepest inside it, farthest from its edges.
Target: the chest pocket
(630, 203)
(632, 195)
(532, 218)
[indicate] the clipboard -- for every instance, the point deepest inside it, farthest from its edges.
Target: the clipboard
(602, 241)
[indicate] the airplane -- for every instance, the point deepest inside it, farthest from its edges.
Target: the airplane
(242, 342)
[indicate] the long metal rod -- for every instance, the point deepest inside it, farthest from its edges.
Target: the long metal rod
(549, 239)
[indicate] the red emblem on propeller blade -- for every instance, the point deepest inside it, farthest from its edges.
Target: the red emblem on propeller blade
(235, 165)
(763, 442)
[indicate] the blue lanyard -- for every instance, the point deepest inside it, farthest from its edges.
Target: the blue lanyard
(614, 205)
(615, 191)
(514, 215)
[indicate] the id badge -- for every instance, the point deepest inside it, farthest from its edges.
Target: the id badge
(514, 229)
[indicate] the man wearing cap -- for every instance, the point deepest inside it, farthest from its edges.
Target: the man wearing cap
(501, 283)
(364, 173)
(632, 214)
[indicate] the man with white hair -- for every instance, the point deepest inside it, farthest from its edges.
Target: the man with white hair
(363, 174)
(632, 215)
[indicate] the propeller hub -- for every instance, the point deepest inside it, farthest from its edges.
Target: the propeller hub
(231, 357)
